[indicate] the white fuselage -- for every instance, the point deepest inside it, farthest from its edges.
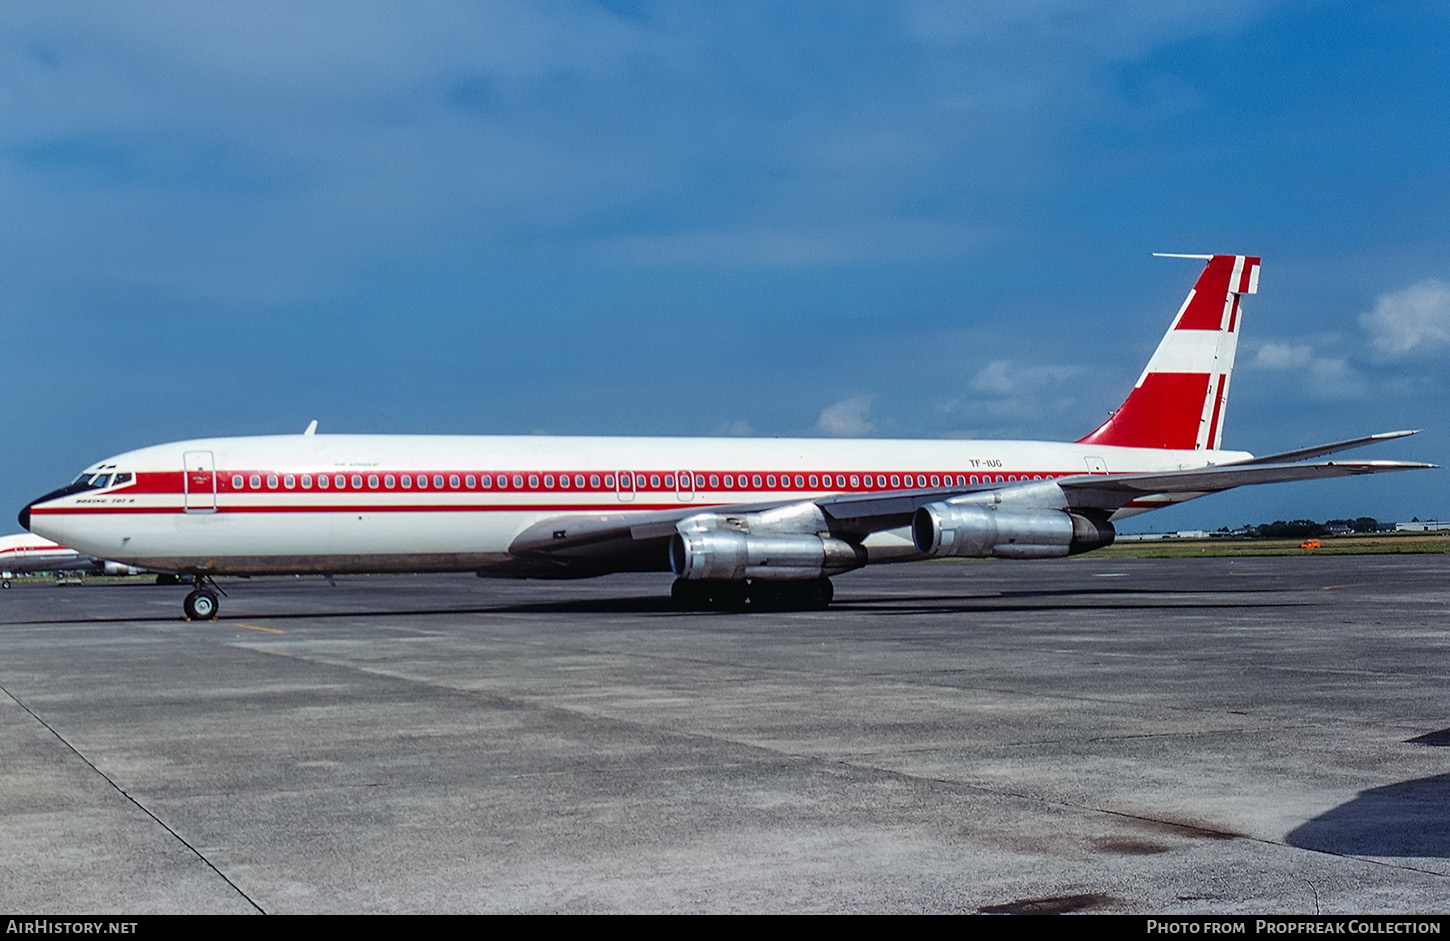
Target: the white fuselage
(26, 552)
(382, 503)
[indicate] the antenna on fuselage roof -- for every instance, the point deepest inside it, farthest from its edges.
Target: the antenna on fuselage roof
(311, 429)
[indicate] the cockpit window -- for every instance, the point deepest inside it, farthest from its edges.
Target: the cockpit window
(89, 481)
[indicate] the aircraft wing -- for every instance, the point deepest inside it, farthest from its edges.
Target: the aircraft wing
(636, 541)
(1113, 492)
(861, 514)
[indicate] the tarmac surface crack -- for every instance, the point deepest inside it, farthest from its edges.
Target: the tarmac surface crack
(131, 799)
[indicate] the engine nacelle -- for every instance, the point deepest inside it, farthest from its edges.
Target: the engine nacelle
(730, 555)
(119, 568)
(970, 531)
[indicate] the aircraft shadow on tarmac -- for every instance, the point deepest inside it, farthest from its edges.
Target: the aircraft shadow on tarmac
(1404, 819)
(984, 602)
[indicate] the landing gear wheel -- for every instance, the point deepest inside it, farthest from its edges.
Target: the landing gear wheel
(708, 594)
(767, 595)
(201, 605)
(726, 595)
(814, 595)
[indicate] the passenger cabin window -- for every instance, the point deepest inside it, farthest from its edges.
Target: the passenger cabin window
(236, 481)
(453, 481)
(255, 481)
(289, 481)
(306, 481)
(271, 481)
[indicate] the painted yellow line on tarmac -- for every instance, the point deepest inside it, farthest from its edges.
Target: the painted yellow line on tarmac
(255, 627)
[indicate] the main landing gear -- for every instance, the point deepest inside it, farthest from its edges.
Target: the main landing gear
(202, 604)
(761, 594)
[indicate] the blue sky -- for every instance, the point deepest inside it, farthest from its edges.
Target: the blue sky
(929, 219)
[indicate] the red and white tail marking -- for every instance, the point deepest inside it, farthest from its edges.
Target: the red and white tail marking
(1179, 400)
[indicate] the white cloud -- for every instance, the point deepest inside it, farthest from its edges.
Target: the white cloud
(848, 418)
(1334, 378)
(1327, 378)
(1410, 321)
(1280, 356)
(735, 429)
(1006, 379)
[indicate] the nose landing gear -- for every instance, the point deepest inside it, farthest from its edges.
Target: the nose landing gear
(202, 604)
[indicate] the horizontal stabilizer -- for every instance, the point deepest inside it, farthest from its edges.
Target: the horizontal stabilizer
(1304, 454)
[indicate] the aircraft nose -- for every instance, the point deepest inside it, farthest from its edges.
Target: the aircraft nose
(24, 516)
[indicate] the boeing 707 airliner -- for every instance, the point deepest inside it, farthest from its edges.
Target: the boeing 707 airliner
(763, 522)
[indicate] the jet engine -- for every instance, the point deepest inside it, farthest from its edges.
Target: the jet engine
(118, 568)
(971, 531)
(728, 555)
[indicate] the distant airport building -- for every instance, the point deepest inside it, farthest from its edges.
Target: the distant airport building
(1422, 526)
(1180, 534)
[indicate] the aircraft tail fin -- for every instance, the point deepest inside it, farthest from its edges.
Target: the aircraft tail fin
(1179, 400)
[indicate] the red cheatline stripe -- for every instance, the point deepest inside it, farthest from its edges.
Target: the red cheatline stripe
(379, 508)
